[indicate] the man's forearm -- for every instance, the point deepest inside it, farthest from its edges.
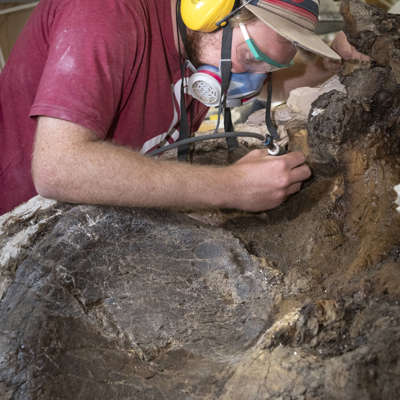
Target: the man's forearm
(71, 164)
(308, 73)
(99, 172)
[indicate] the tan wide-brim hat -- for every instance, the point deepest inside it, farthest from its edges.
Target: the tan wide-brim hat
(292, 20)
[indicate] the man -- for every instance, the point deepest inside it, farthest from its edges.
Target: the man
(92, 85)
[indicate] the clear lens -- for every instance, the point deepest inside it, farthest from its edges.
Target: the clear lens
(253, 59)
(248, 61)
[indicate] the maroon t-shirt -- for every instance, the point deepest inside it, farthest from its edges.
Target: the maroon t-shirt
(108, 65)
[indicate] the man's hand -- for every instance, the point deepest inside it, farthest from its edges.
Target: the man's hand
(268, 180)
(71, 164)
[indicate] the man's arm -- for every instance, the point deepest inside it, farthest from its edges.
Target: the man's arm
(311, 70)
(308, 70)
(71, 164)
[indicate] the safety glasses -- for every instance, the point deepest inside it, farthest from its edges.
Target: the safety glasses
(256, 63)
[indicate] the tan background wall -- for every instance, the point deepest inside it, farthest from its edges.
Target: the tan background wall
(11, 25)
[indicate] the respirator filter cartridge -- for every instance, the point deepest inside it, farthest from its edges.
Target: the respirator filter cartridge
(205, 86)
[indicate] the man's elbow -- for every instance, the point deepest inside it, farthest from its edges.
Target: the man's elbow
(58, 145)
(46, 180)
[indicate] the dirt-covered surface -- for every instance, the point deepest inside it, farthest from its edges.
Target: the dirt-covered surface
(301, 302)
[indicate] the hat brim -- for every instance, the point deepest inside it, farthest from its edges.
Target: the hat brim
(299, 36)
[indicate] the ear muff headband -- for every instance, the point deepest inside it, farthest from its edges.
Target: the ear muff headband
(203, 15)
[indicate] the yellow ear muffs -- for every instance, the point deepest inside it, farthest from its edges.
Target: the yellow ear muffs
(202, 15)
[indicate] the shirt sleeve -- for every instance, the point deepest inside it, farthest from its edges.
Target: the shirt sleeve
(91, 51)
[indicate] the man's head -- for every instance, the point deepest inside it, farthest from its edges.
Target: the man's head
(205, 48)
(261, 37)
(294, 20)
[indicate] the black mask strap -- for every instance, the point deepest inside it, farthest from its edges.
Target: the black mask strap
(184, 129)
(226, 67)
(268, 121)
(181, 28)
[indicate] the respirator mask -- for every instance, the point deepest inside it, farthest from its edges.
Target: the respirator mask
(218, 87)
(205, 86)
